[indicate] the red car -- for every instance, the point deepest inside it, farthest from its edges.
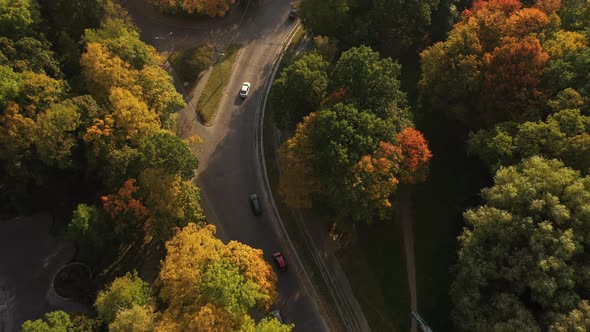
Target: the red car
(280, 261)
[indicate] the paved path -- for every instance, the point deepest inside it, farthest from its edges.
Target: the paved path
(404, 204)
(29, 257)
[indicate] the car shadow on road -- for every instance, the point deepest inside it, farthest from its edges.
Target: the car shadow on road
(238, 101)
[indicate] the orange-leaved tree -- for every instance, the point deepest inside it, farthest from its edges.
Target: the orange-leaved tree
(513, 76)
(415, 155)
(126, 208)
(376, 178)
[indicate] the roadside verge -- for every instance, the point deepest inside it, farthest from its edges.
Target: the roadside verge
(320, 279)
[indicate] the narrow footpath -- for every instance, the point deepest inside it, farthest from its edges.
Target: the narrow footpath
(404, 204)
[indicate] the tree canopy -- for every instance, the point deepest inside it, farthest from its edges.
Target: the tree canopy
(503, 62)
(123, 293)
(390, 26)
(523, 253)
(564, 135)
(213, 285)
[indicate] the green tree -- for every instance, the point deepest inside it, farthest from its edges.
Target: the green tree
(324, 17)
(211, 8)
(10, 85)
(135, 319)
(159, 92)
(399, 24)
(300, 89)
(55, 321)
(122, 38)
(522, 255)
(194, 61)
(31, 54)
(340, 137)
(372, 82)
(169, 153)
(272, 325)
(574, 14)
(564, 135)
(74, 16)
(123, 293)
(569, 63)
(15, 17)
(56, 135)
(171, 201)
(84, 225)
(343, 134)
(224, 286)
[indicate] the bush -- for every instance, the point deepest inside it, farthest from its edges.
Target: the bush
(189, 63)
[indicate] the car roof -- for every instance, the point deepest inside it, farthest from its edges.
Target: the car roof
(280, 259)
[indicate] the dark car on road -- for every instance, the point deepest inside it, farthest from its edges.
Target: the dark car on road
(280, 261)
(255, 204)
(293, 14)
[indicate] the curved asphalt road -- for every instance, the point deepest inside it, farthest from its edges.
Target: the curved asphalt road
(228, 169)
(228, 173)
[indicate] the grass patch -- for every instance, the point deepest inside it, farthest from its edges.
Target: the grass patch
(220, 75)
(452, 187)
(189, 63)
(376, 268)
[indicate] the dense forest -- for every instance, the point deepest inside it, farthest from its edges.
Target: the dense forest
(87, 132)
(513, 76)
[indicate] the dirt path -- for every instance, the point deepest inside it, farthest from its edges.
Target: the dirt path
(405, 217)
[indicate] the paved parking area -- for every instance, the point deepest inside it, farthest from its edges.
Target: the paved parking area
(29, 257)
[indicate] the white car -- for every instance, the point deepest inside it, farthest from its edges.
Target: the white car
(245, 89)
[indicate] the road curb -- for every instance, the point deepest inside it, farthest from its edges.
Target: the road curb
(261, 169)
(347, 311)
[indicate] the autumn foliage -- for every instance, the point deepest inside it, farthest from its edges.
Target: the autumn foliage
(298, 183)
(194, 263)
(415, 155)
(494, 65)
(124, 201)
(376, 177)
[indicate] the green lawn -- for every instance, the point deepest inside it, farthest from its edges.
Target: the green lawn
(220, 75)
(376, 268)
(453, 186)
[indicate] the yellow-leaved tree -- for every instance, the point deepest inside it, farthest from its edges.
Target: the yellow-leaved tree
(210, 286)
(297, 181)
